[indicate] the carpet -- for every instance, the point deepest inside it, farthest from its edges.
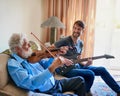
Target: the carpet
(100, 88)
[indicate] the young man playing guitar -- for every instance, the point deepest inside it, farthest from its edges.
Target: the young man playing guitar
(88, 72)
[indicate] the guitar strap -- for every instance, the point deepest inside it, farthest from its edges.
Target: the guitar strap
(72, 52)
(73, 45)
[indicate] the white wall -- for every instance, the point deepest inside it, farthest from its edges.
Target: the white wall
(20, 16)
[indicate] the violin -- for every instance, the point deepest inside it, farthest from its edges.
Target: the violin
(37, 55)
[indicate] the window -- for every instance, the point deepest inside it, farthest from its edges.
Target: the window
(107, 33)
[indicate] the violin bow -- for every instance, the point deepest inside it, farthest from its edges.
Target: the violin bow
(43, 45)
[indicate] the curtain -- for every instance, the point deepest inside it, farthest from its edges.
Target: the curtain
(68, 11)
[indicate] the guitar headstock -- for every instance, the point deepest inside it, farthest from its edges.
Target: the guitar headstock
(108, 56)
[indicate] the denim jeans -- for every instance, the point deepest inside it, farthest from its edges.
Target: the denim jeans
(75, 84)
(88, 73)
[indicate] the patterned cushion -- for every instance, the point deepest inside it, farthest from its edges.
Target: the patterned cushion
(7, 51)
(34, 46)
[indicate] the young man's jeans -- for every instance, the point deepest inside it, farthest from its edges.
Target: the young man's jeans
(88, 73)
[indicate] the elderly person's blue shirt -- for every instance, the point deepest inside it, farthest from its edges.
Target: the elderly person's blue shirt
(31, 76)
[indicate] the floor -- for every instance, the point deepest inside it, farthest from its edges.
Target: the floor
(100, 88)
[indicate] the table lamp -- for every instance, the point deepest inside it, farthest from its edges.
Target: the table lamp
(53, 23)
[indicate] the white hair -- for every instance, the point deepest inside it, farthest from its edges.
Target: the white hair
(17, 39)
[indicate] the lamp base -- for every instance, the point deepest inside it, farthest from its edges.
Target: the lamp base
(53, 35)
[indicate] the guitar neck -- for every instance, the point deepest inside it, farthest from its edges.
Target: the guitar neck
(85, 59)
(65, 69)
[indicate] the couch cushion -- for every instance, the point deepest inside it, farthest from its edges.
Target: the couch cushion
(3, 70)
(7, 87)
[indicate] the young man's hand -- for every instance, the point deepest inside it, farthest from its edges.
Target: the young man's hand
(89, 62)
(63, 50)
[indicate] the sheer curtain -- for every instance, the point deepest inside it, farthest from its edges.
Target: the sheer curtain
(68, 11)
(107, 33)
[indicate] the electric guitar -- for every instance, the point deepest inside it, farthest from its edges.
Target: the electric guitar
(64, 69)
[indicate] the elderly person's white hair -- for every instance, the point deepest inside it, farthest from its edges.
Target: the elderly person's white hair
(15, 40)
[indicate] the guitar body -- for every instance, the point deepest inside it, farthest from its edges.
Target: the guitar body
(65, 69)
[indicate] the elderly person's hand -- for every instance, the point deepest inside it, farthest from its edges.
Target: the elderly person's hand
(59, 61)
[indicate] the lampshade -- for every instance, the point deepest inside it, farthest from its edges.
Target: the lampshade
(53, 23)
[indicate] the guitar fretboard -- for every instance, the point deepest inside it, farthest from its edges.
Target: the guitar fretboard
(93, 58)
